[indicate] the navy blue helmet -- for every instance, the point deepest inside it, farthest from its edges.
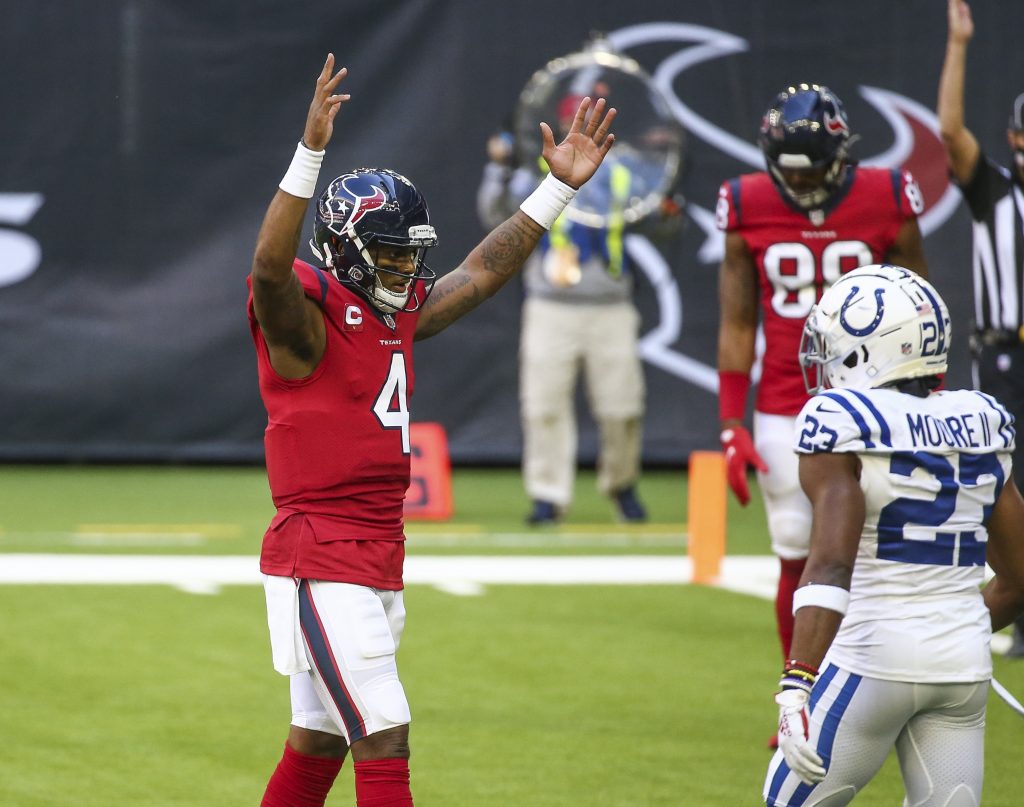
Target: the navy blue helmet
(365, 209)
(805, 133)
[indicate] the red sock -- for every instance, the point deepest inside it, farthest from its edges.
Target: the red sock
(789, 579)
(383, 783)
(300, 780)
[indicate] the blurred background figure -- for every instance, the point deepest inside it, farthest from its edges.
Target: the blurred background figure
(995, 196)
(579, 314)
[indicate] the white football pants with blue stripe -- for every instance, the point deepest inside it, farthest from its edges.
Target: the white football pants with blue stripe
(938, 731)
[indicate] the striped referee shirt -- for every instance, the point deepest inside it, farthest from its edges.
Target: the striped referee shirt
(996, 202)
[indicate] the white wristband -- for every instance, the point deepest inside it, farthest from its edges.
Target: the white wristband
(303, 172)
(546, 203)
(832, 597)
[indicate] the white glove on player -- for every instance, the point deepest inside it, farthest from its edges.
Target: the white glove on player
(793, 727)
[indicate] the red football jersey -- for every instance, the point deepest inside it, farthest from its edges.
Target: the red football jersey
(337, 444)
(799, 256)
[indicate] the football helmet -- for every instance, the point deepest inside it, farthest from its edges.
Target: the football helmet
(805, 129)
(875, 326)
(365, 209)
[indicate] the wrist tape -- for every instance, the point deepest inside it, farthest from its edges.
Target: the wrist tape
(833, 598)
(300, 180)
(546, 203)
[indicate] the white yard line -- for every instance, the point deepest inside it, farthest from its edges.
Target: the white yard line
(464, 575)
(457, 574)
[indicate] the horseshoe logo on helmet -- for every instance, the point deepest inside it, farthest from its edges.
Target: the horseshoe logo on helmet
(872, 326)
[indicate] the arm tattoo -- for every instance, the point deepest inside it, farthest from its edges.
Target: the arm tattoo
(497, 258)
(453, 297)
(506, 249)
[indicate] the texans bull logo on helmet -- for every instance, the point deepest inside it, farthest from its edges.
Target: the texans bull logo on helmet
(350, 198)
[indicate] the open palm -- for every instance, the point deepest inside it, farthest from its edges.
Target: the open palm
(578, 156)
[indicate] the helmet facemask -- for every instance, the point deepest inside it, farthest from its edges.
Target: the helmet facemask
(367, 277)
(363, 213)
(805, 130)
(831, 180)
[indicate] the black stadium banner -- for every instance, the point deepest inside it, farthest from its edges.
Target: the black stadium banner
(142, 140)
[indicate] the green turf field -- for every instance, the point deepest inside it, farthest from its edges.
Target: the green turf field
(209, 510)
(522, 695)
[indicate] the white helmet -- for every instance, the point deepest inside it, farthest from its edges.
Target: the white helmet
(875, 325)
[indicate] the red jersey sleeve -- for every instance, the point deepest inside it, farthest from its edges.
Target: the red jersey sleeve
(909, 201)
(727, 209)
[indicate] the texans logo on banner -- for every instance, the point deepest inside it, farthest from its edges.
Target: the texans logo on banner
(20, 254)
(915, 147)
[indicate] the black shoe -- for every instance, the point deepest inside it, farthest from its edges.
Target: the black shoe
(629, 506)
(542, 513)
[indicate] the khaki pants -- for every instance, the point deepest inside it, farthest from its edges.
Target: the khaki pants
(558, 341)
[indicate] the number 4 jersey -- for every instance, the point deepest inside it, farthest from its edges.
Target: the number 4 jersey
(931, 470)
(337, 444)
(798, 256)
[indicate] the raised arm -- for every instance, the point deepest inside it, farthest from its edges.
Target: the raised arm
(292, 324)
(962, 148)
(505, 249)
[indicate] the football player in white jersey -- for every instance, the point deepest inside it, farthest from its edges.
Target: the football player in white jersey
(912, 493)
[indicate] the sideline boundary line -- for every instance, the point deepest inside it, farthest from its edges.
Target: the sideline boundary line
(467, 575)
(753, 575)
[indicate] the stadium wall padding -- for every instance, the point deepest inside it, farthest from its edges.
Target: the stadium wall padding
(142, 141)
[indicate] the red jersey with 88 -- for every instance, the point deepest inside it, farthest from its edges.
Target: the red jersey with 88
(797, 258)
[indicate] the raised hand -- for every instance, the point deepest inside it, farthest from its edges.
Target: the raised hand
(577, 157)
(324, 106)
(961, 25)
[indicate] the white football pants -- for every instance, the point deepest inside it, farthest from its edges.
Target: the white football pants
(350, 635)
(938, 731)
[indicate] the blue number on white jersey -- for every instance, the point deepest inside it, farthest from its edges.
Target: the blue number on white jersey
(932, 468)
(948, 548)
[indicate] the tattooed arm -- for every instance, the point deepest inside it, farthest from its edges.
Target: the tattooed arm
(504, 251)
(487, 268)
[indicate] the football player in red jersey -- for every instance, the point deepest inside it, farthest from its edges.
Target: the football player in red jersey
(334, 356)
(790, 232)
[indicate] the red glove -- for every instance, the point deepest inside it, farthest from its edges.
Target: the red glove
(739, 453)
